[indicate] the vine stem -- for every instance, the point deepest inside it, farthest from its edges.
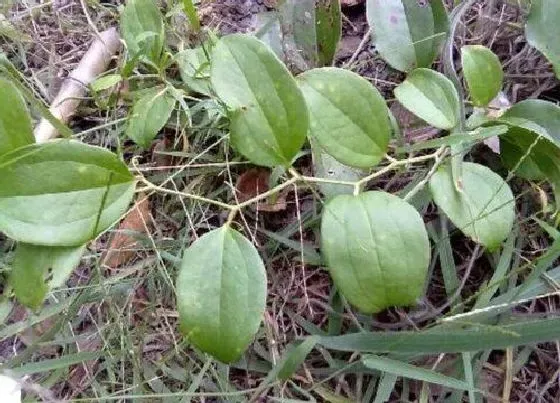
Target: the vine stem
(397, 163)
(420, 185)
(296, 177)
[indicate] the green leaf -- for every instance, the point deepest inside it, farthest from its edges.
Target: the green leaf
(105, 82)
(445, 339)
(38, 269)
(536, 115)
(221, 293)
(542, 30)
(348, 116)
(61, 193)
(483, 72)
(195, 69)
(531, 156)
(269, 118)
(484, 209)
(328, 28)
(407, 33)
(532, 144)
(407, 370)
(15, 122)
(431, 96)
(142, 29)
(297, 20)
(325, 166)
(149, 114)
(377, 250)
(474, 136)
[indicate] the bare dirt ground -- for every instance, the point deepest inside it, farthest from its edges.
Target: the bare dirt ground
(131, 313)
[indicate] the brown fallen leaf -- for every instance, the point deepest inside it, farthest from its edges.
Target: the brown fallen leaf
(159, 159)
(254, 182)
(123, 244)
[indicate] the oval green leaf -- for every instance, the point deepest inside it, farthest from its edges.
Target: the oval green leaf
(38, 269)
(542, 30)
(431, 96)
(527, 120)
(407, 33)
(142, 29)
(484, 210)
(221, 293)
(269, 118)
(195, 70)
(149, 114)
(348, 116)
(377, 250)
(61, 193)
(483, 72)
(531, 147)
(539, 116)
(15, 122)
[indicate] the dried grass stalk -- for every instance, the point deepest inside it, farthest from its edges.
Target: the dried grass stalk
(95, 61)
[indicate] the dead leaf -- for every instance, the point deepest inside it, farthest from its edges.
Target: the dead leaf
(122, 247)
(159, 159)
(82, 375)
(254, 182)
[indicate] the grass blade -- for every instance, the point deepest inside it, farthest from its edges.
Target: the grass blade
(386, 386)
(407, 370)
(447, 340)
(190, 11)
(56, 363)
(469, 376)
(500, 273)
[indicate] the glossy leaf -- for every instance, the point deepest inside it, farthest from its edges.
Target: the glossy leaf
(149, 114)
(195, 70)
(407, 33)
(536, 115)
(406, 370)
(328, 27)
(38, 269)
(61, 193)
(431, 96)
(269, 118)
(532, 144)
(142, 29)
(542, 30)
(221, 293)
(15, 122)
(377, 250)
(325, 166)
(483, 72)
(484, 210)
(348, 116)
